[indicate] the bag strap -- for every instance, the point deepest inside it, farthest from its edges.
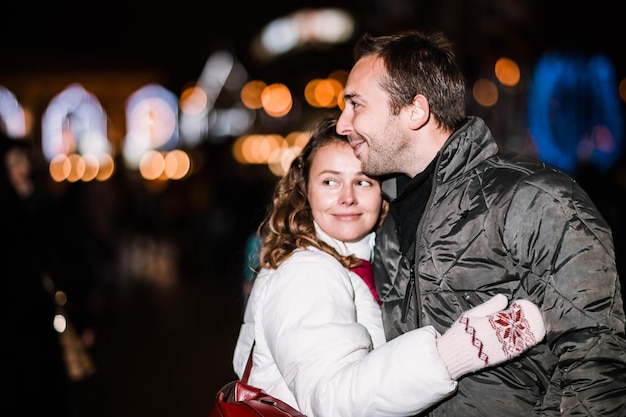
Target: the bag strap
(246, 372)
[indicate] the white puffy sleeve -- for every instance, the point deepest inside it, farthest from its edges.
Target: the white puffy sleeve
(325, 356)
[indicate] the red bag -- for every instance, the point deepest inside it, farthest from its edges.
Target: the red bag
(238, 399)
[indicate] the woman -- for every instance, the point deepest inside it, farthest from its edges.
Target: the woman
(317, 330)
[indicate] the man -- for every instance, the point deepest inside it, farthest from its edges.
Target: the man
(468, 221)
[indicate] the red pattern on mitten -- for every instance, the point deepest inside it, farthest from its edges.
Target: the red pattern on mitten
(487, 335)
(513, 329)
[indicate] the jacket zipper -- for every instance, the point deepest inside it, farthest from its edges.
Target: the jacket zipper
(412, 286)
(408, 295)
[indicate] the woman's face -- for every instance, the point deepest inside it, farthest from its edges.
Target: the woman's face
(345, 202)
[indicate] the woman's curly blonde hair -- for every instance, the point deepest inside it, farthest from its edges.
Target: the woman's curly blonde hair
(288, 225)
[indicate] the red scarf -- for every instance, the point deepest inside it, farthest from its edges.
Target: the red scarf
(366, 271)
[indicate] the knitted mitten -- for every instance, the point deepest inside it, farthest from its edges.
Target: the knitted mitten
(487, 335)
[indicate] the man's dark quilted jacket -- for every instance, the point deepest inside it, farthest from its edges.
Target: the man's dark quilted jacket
(505, 224)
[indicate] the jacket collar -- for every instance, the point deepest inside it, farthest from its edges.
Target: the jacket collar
(361, 249)
(469, 145)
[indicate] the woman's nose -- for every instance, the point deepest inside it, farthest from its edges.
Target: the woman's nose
(347, 196)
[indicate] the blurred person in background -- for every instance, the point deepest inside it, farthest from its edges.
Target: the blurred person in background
(250, 264)
(34, 378)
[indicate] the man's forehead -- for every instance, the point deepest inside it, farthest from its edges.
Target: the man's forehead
(364, 74)
(367, 65)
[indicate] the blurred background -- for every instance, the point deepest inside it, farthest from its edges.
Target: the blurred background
(159, 130)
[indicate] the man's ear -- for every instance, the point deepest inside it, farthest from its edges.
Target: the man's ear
(419, 112)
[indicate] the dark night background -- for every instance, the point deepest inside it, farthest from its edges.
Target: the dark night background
(177, 37)
(164, 345)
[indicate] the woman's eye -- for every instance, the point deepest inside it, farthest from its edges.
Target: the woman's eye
(365, 183)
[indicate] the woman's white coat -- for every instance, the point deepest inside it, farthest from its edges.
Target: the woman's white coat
(320, 344)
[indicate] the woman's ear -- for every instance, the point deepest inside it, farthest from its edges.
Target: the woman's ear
(419, 112)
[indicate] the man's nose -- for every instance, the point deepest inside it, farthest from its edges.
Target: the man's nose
(343, 124)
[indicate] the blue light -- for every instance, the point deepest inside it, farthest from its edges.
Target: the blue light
(574, 111)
